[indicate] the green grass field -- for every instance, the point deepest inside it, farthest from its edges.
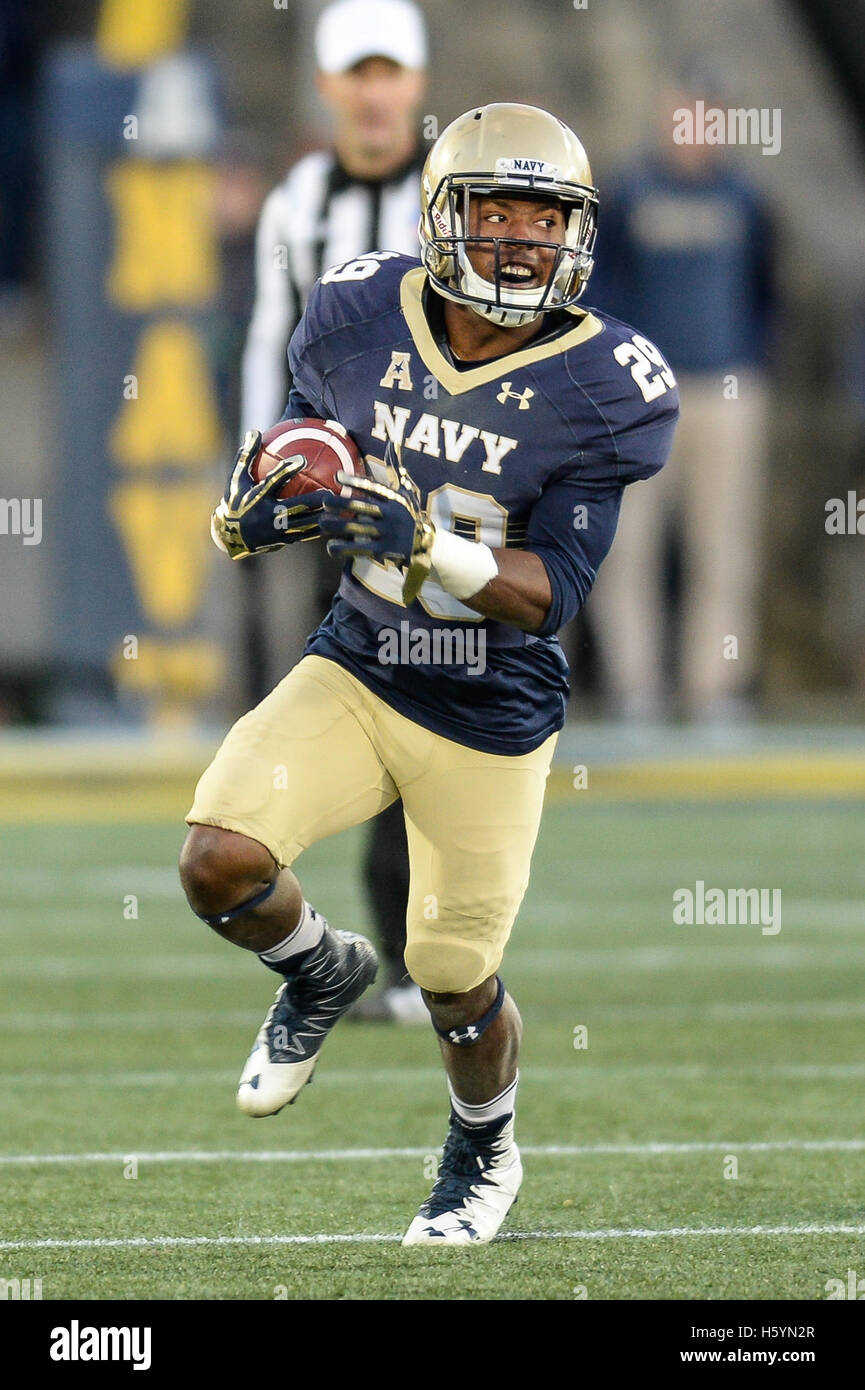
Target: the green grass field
(122, 1039)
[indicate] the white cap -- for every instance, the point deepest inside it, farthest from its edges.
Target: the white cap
(352, 30)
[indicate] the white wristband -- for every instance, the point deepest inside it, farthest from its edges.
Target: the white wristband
(462, 567)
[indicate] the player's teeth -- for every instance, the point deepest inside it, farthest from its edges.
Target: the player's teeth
(521, 270)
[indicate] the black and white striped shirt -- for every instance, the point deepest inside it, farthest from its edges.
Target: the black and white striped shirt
(317, 217)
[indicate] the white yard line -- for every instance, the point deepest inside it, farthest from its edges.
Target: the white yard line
(369, 1155)
(711, 1011)
(578, 1071)
(155, 887)
(610, 1233)
(733, 948)
(139, 1020)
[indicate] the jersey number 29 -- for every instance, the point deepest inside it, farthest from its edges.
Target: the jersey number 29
(648, 367)
(446, 505)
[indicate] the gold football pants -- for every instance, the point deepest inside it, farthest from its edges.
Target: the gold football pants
(322, 752)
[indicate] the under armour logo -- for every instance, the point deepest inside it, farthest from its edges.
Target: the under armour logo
(469, 1034)
(522, 396)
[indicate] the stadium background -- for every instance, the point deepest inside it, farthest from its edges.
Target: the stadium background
(117, 676)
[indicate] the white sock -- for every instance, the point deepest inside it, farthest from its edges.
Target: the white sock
(495, 1109)
(306, 934)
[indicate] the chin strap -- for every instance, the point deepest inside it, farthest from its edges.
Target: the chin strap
(506, 318)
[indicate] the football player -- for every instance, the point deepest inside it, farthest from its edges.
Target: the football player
(500, 423)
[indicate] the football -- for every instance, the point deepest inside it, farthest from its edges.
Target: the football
(326, 446)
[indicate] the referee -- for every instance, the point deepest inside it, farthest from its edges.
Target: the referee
(362, 195)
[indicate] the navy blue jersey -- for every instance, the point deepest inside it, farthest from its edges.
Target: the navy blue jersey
(531, 450)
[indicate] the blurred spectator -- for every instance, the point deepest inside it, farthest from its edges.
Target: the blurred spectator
(686, 253)
(17, 76)
(843, 594)
(241, 188)
(333, 205)
(362, 195)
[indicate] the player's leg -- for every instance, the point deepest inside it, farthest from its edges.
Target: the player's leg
(479, 1068)
(724, 498)
(385, 875)
(628, 605)
(237, 887)
(472, 822)
(297, 768)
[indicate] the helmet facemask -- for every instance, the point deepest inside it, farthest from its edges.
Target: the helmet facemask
(445, 243)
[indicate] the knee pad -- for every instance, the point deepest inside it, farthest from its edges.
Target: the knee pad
(444, 966)
(469, 1033)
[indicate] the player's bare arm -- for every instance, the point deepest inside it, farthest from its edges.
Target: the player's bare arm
(520, 594)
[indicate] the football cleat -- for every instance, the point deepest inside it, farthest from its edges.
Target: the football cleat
(477, 1185)
(327, 981)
